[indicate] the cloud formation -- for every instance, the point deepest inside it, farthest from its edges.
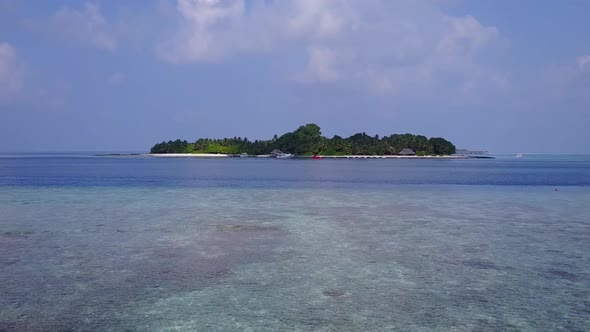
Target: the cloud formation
(387, 46)
(577, 80)
(584, 62)
(86, 27)
(567, 83)
(36, 94)
(117, 78)
(206, 31)
(11, 78)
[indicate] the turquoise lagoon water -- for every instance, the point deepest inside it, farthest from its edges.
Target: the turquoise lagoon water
(142, 244)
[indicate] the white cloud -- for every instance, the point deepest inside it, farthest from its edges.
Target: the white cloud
(11, 77)
(564, 84)
(584, 62)
(86, 27)
(202, 31)
(117, 78)
(319, 19)
(577, 80)
(386, 46)
(35, 94)
(321, 65)
(465, 35)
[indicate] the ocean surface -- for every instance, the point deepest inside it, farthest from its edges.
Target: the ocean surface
(93, 243)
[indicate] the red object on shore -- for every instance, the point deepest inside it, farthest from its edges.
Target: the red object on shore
(317, 157)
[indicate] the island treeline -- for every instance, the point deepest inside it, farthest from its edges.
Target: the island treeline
(308, 140)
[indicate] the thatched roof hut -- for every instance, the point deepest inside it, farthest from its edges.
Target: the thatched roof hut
(407, 152)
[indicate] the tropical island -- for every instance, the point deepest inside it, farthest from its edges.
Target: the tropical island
(307, 140)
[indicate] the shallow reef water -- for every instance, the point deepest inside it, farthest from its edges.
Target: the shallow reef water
(147, 257)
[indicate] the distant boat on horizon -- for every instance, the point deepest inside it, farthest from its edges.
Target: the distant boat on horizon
(519, 155)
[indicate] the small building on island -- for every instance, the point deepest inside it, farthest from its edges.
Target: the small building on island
(406, 152)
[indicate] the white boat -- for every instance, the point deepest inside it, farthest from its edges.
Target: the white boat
(276, 153)
(519, 155)
(284, 156)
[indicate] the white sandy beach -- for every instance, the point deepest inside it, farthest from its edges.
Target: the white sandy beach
(187, 155)
(396, 157)
(393, 157)
(212, 155)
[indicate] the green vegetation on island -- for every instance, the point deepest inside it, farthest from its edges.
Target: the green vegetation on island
(308, 140)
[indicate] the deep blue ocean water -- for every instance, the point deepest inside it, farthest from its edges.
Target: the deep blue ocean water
(93, 243)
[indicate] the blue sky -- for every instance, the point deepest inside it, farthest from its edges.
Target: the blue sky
(506, 76)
